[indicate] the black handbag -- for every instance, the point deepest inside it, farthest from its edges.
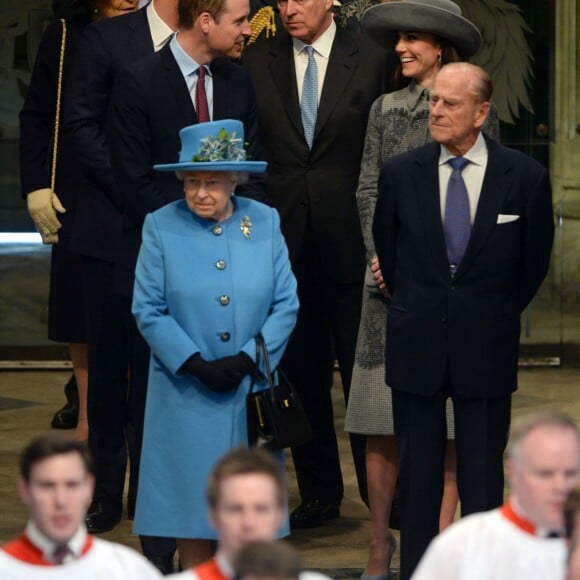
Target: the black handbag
(276, 418)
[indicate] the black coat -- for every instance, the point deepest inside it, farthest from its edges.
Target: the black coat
(66, 320)
(106, 47)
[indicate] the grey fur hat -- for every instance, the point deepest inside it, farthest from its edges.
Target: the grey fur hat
(440, 17)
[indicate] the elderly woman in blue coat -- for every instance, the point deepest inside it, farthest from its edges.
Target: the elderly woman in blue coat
(212, 273)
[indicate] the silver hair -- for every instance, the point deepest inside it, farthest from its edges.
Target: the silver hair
(524, 425)
(238, 176)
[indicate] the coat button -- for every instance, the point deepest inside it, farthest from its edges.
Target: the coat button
(224, 300)
(225, 336)
(217, 230)
(220, 265)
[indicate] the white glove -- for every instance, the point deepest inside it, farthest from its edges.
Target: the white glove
(42, 207)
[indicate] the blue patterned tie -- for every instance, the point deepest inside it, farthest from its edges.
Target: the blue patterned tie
(309, 102)
(457, 224)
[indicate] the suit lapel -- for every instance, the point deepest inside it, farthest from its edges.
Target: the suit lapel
(496, 184)
(220, 91)
(183, 104)
(341, 66)
(283, 73)
(426, 182)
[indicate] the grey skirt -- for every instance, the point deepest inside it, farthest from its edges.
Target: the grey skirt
(369, 410)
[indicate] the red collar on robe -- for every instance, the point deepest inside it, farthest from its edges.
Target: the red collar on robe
(210, 570)
(24, 550)
(511, 515)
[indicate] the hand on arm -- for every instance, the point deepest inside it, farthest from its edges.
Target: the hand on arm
(378, 277)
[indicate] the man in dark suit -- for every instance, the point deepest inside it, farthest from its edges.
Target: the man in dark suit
(118, 356)
(144, 123)
(462, 256)
(312, 179)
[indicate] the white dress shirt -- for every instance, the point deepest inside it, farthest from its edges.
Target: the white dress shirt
(322, 47)
(160, 31)
(48, 547)
(188, 67)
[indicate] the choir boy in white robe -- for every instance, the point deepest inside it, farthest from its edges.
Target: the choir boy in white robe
(57, 487)
(524, 537)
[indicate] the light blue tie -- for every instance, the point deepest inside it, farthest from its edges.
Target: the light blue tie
(309, 102)
(457, 223)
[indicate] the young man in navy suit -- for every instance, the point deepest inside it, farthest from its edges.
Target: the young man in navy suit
(461, 258)
(118, 356)
(148, 105)
(145, 123)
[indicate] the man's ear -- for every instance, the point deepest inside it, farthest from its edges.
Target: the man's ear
(482, 112)
(91, 479)
(205, 20)
(510, 470)
(23, 491)
(212, 519)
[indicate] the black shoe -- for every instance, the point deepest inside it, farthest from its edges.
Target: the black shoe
(67, 416)
(163, 564)
(312, 514)
(103, 516)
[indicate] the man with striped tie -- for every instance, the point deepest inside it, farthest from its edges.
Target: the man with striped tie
(463, 229)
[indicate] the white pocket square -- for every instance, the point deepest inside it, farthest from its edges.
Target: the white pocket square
(506, 218)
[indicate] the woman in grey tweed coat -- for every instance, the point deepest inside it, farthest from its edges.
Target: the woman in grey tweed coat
(398, 122)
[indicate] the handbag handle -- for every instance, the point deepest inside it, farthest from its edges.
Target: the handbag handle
(256, 369)
(58, 106)
(262, 351)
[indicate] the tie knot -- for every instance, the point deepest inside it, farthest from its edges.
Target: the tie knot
(201, 73)
(310, 50)
(60, 553)
(458, 163)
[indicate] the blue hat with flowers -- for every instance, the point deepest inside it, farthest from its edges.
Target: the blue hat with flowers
(213, 146)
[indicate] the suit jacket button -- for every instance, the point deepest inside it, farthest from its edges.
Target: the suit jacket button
(217, 230)
(225, 336)
(224, 300)
(220, 265)
(444, 318)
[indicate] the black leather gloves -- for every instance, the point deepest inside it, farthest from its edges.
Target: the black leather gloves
(222, 374)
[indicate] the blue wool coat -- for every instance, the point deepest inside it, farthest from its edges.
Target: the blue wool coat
(208, 288)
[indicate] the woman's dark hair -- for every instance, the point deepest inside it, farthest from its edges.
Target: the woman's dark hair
(449, 53)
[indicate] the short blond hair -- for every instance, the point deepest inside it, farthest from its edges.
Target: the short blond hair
(524, 425)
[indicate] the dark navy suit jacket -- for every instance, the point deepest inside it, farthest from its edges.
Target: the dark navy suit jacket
(470, 321)
(150, 104)
(105, 48)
